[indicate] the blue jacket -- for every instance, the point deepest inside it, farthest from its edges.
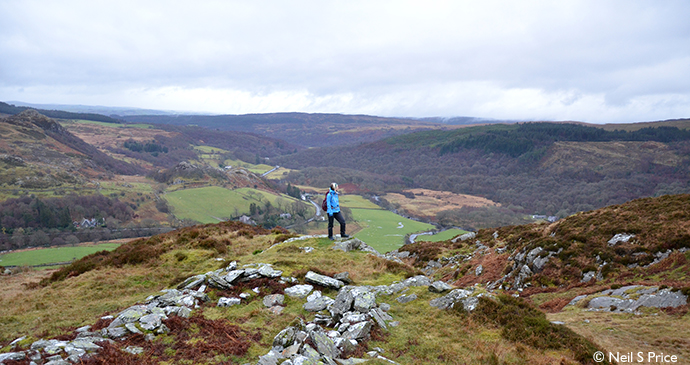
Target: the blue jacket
(332, 202)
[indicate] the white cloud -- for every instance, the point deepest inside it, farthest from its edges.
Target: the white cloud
(597, 61)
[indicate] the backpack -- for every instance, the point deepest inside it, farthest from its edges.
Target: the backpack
(324, 205)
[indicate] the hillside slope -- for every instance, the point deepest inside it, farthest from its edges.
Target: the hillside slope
(38, 153)
(260, 272)
(542, 168)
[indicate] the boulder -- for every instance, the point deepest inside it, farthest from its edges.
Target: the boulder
(273, 300)
(228, 302)
(318, 304)
(324, 344)
(299, 291)
(323, 280)
(269, 272)
(286, 337)
(364, 302)
(343, 302)
(358, 331)
(449, 299)
(406, 298)
(439, 287)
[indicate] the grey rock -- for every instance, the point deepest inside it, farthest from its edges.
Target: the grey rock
(14, 356)
(228, 302)
(533, 254)
(318, 304)
(577, 299)
(218, 281)
(324, 344)
(364, 302)
(323, 280)
(192, 282)
(419, 280)
(406, 298)
(85, 344)
(586, 277)
(385, 307)
(271, 358)
(478, 271)
(269, 272)
(273, 300)
(233, 275)
(299, 291)
(620, 237)
(286, 337)
(152, 321)
(351, 361)
(117, 332)
(605, 303)
(314, 295)
(129, 315)
(465, 237)
(343, 302)
(449, 299)
(358, 331)
(376, 314)
(134, 350)
(131, 327)
(353, 317)
(439, 287)
(184, 312)
(343, 276)
(348, 245)
(312, 356)
(539, 263)
(470, 303)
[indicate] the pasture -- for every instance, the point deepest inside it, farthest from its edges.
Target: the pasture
(441, 236)
(384, 230)
(51, 255)
(214, 204)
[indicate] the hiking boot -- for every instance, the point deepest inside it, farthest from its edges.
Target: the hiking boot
(344, 236)
(331, 238)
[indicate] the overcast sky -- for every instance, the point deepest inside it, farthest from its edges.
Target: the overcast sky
(596, 61)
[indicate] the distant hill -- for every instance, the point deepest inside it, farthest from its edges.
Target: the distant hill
(110, 111)
(308, 130)
(60, 114)
(544, 168)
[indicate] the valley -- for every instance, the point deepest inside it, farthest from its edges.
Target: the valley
(174, 194)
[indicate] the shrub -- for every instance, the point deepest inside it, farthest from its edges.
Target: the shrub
(521, 323)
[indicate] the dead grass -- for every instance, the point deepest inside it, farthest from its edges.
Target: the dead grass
(652, 331)
(427, 203)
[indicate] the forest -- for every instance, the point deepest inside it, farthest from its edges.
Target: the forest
(501, 163)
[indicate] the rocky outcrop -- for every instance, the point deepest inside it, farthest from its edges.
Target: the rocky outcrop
(337, 329)
(632, 297)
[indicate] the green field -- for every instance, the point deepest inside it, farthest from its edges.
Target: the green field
(213, 204)
(52, 255)
(384, 230)
(441, 236)
(257, 169)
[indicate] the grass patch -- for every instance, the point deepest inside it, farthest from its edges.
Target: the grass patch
(52, 255)
(385, 231)
(213, 204)
(442, 236)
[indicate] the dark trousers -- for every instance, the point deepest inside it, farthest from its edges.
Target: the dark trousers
(339, 217)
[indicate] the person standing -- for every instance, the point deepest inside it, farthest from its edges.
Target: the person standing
(333, 204)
